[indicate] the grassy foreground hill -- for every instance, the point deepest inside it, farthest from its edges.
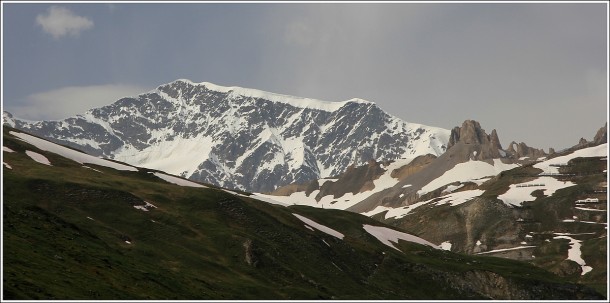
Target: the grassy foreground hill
(74, 231)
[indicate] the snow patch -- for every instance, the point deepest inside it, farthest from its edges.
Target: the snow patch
(266, 198)
(586, 222)
(144, 207)
(322, 181)
(453, 199)
(6, 165)
(505, 249)
(452, 188)
(320, 227)
(588, 200)
(575, 254)
(446, 245)
(70, 153)
(177, 181)
(8, 150)
(383, 182)
(569, 234)
(551, 166)
(92, 169)
(521, 192)
(458, 198)
(589, 209)
(385, 235)
(467, 172)
(38, 157)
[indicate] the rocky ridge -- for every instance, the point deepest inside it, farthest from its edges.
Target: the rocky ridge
(239, 138)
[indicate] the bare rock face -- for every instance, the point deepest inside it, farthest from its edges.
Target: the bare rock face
(582, 141)
(354, 180)
(519, 150)
(471, 133)
(601, 136)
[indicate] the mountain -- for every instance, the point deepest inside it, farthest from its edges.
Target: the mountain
(472, 154)
(477, 198)
(78, 227)
(239, 138)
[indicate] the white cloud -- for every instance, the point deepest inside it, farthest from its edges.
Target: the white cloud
(60, 21)
(68, 101)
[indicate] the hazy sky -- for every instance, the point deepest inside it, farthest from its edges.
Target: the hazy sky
(535, 72)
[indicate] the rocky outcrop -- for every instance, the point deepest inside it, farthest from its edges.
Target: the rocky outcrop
(355, 180)
(601, 136)
(582, 142)
(518, 150)
(470, 133)
(413, 167)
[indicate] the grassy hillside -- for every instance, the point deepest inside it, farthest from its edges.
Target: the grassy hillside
(72, 232)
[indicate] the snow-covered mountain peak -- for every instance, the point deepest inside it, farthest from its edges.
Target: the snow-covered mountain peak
(7, 118)
(240, 138)
(237, 92)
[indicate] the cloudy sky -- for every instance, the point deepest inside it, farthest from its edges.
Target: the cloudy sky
(535, 72)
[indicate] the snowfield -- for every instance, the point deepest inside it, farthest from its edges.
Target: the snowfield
(471, 171)
(386, 236)
(320, 227)
(384, 181)
(452, 199)
(174, 157)
(519, 193)
(595, 151)
(70, 153)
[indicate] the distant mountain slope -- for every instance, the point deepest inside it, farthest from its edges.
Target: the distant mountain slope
(477, 198)
(240, 138)
(80, 228)
(472, 154)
